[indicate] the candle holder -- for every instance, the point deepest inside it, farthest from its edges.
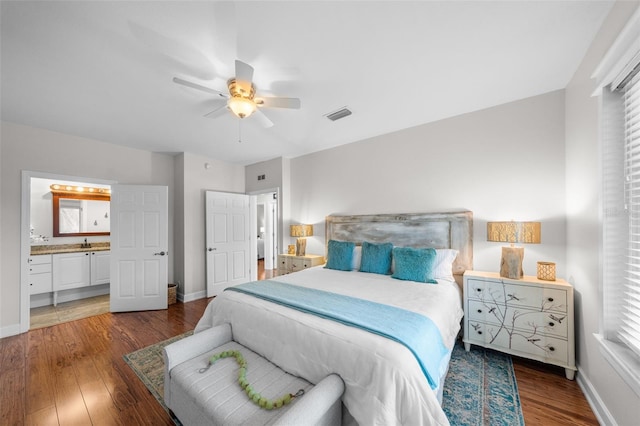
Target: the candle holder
(547, 271)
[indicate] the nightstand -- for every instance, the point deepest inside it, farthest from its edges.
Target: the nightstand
(529, 317)
(288, 263)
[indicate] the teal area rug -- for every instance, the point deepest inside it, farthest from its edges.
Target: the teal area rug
(480, 388)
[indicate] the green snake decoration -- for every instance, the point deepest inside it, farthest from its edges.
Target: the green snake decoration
(254, 396)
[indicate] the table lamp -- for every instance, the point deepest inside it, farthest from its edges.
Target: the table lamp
(513, 232)
(301, 231)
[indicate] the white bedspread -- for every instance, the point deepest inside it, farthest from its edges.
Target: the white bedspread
(383, 381)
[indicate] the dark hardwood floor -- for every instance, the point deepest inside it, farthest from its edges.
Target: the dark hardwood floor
(74, 374)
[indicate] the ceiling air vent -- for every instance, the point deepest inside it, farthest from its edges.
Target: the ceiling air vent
(337, 115)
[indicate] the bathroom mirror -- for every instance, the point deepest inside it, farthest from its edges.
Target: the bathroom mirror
(80, 214)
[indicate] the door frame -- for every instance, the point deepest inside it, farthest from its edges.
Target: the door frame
(25, 242)
(254, 220)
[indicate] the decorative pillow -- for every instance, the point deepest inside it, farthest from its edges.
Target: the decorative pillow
(357, 257)
(443, 268)
(414, 264)
(376, 258)
(339, 255)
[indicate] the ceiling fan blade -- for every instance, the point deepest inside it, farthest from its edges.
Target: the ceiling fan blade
(193, 60)
(218, 109)
(293, 103)
(244, 75)
(198, 87)
(262, 119)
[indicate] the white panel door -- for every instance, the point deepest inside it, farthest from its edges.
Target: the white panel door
(139, 247)
(228, 245)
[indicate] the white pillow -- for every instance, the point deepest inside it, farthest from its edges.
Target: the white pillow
(443, 268)
(356, 258)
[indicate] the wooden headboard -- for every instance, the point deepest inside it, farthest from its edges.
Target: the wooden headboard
(437, 230)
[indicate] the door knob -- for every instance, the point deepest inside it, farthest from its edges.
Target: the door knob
(212, 249)
(162, 253)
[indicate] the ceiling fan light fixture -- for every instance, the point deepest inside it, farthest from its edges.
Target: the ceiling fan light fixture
(240, 106)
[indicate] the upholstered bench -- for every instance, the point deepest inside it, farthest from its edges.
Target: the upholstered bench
(215, 397)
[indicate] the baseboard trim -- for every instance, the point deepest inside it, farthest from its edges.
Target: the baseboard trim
(184, 298)
(10, 330)
(593, 398)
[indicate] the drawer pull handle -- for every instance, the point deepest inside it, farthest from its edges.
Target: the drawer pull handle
(550, 299)
(478, 289)
(551, 348)
(551, 324)
(479, 332)
(479, 311)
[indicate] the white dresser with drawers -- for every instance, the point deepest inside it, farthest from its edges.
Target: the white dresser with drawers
(528, 317)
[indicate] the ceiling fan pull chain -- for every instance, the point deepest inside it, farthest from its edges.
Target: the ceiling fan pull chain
(239, 130)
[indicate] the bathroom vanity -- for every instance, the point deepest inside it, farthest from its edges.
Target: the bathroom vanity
(56, 268)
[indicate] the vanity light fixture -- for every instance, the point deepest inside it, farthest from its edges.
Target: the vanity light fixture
(79, 189)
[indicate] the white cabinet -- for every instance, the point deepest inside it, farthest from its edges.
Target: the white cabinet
(288, 263)
(100, 267)
(40, 280)
(71, 270)
(530, 318)
(79, 269)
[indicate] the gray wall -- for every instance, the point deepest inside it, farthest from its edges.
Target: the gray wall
(199, 174)
(502, 163)
(37, 150)
(27, 148)
(614, 400)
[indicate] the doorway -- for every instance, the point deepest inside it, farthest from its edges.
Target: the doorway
(37, 230)
(267, 232)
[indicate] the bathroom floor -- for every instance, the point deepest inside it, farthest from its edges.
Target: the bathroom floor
(46, 316)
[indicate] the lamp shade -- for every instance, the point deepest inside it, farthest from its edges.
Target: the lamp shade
(301, 230)
(242, 107)
(514, 232)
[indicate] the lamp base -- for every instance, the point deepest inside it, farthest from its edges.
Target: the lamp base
(301, 246)
(511, 262)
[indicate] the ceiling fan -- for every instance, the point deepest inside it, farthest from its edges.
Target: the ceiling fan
(241, 99)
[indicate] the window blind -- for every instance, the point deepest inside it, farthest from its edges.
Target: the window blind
(629, 320)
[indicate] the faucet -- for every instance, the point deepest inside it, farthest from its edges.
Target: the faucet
(85, 244)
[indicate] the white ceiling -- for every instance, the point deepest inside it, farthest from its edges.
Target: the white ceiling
(104, 70)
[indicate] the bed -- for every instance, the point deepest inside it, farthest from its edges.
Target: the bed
(385, 381)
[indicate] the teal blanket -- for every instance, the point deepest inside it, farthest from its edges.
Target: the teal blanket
(417, 332)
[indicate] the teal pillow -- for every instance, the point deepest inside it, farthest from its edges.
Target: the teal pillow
(414, 264)
(339, 254)
(376, 258)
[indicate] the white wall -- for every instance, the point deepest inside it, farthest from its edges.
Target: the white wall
(199, 175)
(615, 402)
(502, 163)
(27, 148)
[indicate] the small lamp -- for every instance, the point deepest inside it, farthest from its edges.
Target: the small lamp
(301, 231)
(513, 232)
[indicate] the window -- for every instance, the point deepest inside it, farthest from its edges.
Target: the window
(620, 336)
(629, 317)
